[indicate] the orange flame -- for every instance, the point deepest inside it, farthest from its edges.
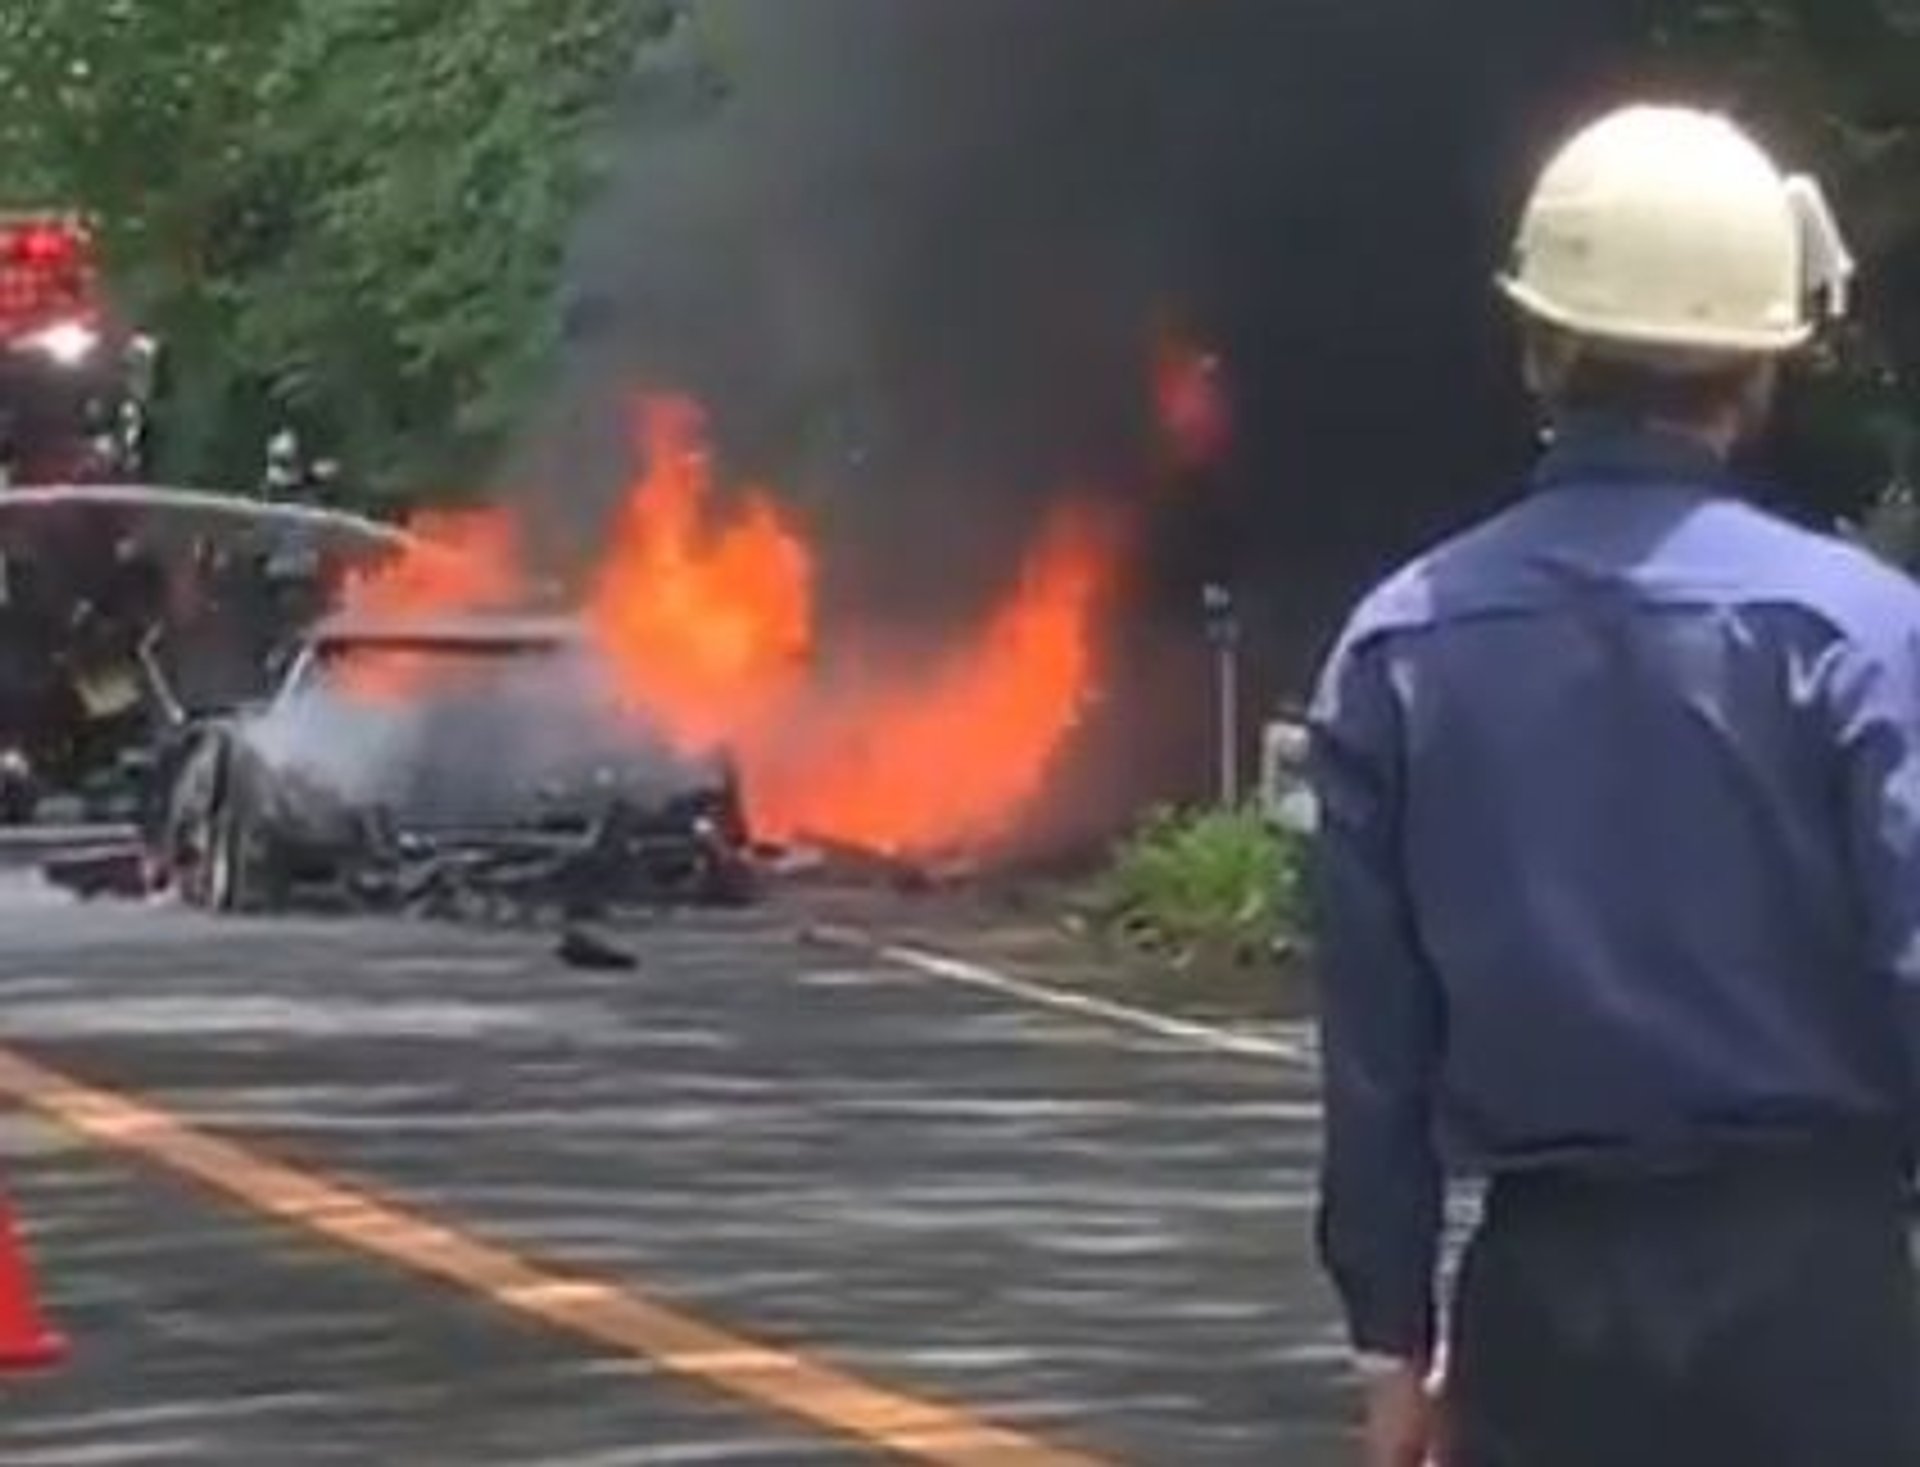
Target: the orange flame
(457, 560)
(706, 615)
(950, 757)
(703, 610)
(707, 622)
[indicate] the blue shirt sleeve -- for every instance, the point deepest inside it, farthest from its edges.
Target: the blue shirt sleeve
(1382, 1186)
(1874, 699)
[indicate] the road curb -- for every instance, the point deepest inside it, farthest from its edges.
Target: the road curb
(1217, 1038)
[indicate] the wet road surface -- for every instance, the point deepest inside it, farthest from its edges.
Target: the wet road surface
(1093, 1237)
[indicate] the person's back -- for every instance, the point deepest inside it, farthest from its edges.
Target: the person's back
(1628, 861)
(1617, 872)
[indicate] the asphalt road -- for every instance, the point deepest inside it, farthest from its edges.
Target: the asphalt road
(1092, 1236)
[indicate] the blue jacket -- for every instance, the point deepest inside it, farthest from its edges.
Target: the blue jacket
(1619, 853)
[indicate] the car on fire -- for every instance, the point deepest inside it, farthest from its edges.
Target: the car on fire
(439, 763)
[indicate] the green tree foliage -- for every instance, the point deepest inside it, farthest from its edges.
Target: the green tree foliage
(352, 212)
(1837, 84)
(1838, 80)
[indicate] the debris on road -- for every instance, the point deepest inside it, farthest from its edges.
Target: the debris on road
(109, 871)
(587, 950)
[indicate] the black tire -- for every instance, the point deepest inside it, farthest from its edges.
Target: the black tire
(227, 874)
(255, 879)
(221, 879)
(213, 879)
(187, 811)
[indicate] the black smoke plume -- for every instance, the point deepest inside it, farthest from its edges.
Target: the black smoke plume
(915, 254)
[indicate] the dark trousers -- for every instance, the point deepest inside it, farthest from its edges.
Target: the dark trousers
(1760, 1315)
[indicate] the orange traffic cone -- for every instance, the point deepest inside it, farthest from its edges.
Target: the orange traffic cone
(26, 1340)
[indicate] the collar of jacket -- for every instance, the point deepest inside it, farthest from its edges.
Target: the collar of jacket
(1598, 450)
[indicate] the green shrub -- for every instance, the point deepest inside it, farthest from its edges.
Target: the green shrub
(1214, 880)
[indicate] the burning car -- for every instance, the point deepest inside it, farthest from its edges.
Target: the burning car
(439, 762)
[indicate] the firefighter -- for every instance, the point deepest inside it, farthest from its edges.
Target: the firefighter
(1618, 883)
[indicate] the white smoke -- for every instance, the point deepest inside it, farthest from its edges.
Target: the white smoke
(476, 742)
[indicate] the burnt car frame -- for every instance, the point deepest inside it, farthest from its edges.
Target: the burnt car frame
(237, 820)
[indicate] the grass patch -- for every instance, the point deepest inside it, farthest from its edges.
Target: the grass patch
(1205, 887)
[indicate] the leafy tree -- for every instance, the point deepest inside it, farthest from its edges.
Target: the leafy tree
(352, 212)
(1837, 82)
(1840, 78)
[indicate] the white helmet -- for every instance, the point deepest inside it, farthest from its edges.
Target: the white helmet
(1668, 232)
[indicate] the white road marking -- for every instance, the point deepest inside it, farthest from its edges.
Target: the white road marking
(1216, 1037)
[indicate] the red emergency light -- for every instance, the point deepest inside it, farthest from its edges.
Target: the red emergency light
(46, 274)
(45, 246)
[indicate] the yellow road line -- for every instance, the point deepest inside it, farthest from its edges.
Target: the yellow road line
(620, 1319)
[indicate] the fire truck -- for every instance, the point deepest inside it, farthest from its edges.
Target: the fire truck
(76, 595)
(75, 382)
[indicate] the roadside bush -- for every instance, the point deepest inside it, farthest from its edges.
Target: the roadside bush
(1212, 883)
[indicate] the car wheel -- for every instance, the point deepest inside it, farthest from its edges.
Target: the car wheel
(218, 875)
(245, 861)
(220, 863)
(209, 860)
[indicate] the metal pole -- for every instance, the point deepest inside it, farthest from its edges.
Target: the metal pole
(1223, 631)
(1229, 669)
